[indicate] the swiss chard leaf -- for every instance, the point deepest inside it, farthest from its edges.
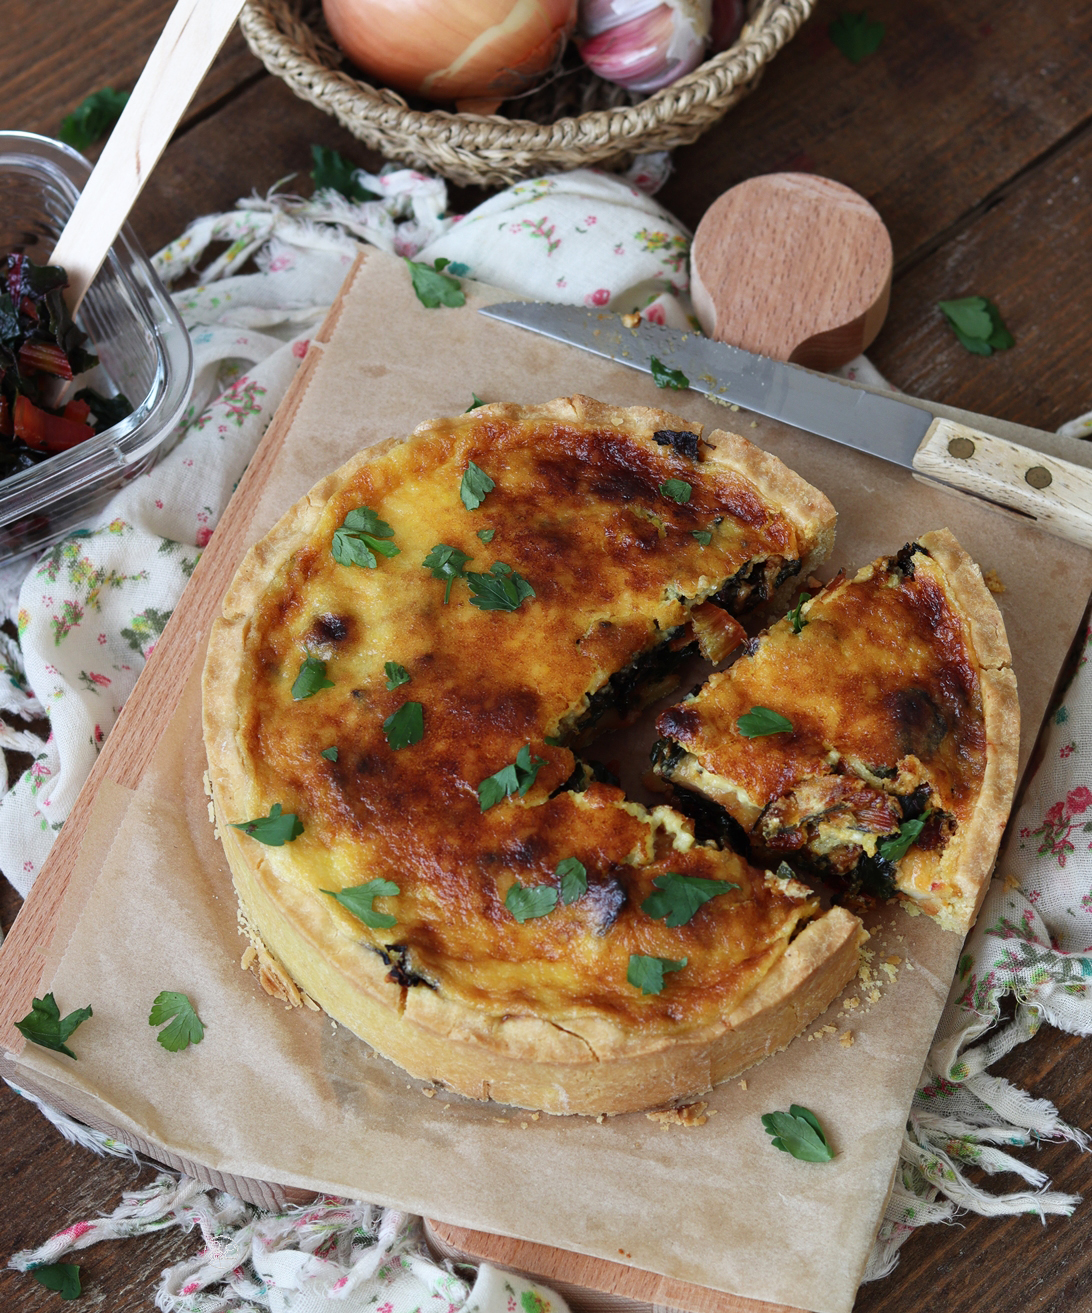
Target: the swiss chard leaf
(647, 973)
(678, 897)
(677, 489)
(525, 903)
(515, 778)
(798, 1132)
(92, 118)
(64, 1278)
(396, 675)
(186, 1027)
(499, 590)
(434, 288)
(273, 830)
(475, 487)
(359, 899)
(43, 1025)
(311, 679)
(446, 563)
(573, 875)
(406, 726)
(856, 35)
(760, 721)
(898, 846)
(332, 170)
(667, 378)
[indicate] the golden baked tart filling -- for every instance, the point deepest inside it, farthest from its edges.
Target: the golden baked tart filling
(392, 699)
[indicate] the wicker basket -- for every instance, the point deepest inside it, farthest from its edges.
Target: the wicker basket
(291, 40)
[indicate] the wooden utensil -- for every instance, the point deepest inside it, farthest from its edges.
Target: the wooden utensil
(189, 43)
(792, 266)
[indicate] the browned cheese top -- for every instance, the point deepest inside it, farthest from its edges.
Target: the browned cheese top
(578, 512)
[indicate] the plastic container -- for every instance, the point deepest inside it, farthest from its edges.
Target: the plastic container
(143, 349)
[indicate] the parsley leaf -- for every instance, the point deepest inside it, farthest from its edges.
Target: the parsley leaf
(798, 621)
(977, 323)
(704, 536)
(798, 1132)
(329, 753)
(784, 871)
(446, 563)
(760, 721)
(360, 536)
(64, 1278)
(475, 402)
(893, 849)
(406, 726)
(332, 170)
(43, 1025)
(486, 535)
(667, 378)
(677, 489)
(396, 675)
(499, 590)
(273, 830)
(433, 287)
(647, 973)
(475, 487)
(311, 679)
(516, 778)
(185, 1029)
(573, 875)
(358, 900)
(527, 903)
(856, 36)
(679, 896)
(93, 118)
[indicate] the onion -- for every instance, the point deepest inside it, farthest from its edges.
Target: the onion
(643, 44)
(452, 49)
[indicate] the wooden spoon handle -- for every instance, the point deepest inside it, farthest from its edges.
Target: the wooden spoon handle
(188, 44)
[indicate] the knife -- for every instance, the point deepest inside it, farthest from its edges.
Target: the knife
(1054, 492)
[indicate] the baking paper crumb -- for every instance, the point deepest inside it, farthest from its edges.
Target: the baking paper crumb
(691, 1114)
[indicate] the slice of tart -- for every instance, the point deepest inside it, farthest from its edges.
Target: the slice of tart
(870, 736)
(391, 700)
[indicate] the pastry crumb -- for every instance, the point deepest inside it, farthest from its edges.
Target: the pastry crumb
(690, 1114)
(1010, 882)
(206, 784)
(601, 1118)
(890, 971)
(894, 960)
(212, 812)
(846, 1039)
(732, 406)
(309, 1002)
(429, 1093)
(754, 423)
(535, 1116)
(523, 1125)
(875, 996)
(911, 909)
(909, 965)
(632, 320)
(250, 955)
(742, 1084)
(852, 1003)
(992, 580)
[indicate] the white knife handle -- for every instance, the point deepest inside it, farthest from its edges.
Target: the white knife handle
(1055, 492)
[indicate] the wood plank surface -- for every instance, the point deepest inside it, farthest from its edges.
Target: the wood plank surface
(966, 131)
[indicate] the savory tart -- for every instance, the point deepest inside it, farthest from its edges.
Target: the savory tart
(391, 699)
(871, 735)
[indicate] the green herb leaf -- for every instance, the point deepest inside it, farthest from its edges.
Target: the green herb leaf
(554, 740)
(892, 850)
(446, 563)
(433, 287)
(760, 721)
(798, 621)
(185, 1029)
(856, 36)
(798, 1132)
(360, 536)
(476, 401)
(784, 871)
(667, 378)
(329, 753)
(677, 489)
(311, 679)
(527, 903)
(475, 487)
(486, 535)
(273, 830)
(573, 875)
(358, 900)
(406, 726)
(332, 170)
(396, 675)
(43, 1025)
(704, 536)
(647, 973)
(64, 1278)
(93, 118)
(679, 896)
(516, 778)
(977, 323)
(499, 590)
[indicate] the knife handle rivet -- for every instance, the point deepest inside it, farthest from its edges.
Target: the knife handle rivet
(1038, 477)
(961, 448)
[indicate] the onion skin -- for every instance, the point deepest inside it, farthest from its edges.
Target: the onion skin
(452, 49)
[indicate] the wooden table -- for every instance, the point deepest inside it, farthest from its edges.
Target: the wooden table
(971, 132)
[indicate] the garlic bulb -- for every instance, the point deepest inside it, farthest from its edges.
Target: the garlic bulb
(643, 44)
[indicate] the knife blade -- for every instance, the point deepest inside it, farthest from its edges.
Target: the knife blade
(1051, 490)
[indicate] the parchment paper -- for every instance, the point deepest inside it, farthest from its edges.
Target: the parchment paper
(286, 1095)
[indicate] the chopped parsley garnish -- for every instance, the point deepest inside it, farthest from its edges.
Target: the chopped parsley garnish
(895, 848)
(360, 536)
(797, 620)
(486, 535)
(329, 753)
(678, 897)
(475, 402)
(704, 536)
(358, 900)
(667, 378)
(647, 973)
(311, 679)
(760, 721)
(64, 1278)
(186, 1026)
(446, 563)
(977, 323)
(499, 590)
(396, 675)
(332, 170)
(43, 1025)
(433, 287)
(475, 487)
(798, 1132)
(93, 118)
(516, 778)
(406, 726)
(677, 489)
(573, 875)
(527, 903)
(273, 830)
